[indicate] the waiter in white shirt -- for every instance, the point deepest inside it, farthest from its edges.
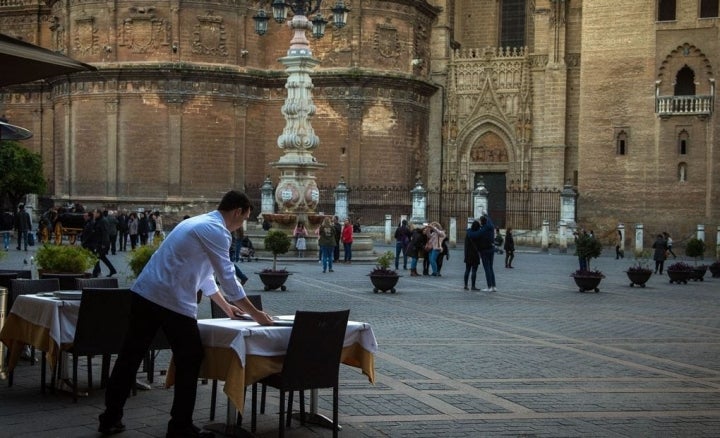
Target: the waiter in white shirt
(164, 296)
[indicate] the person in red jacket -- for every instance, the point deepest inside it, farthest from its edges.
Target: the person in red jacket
(347, 240)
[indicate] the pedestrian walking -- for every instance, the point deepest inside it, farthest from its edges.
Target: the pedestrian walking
(509, 248)
(347, 240)
(472, 254)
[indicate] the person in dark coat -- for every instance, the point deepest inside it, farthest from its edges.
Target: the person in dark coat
(415, 249)
(660, 247)
(487, 251)
(143, 228)
(23, 225)
(472, 254)
(100, 243)
(509, 248)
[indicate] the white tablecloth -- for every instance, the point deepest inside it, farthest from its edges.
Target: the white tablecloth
(58, 316)
(248, 337)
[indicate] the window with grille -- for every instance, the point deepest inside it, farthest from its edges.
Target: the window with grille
(708, 8)
(512, 23)
(666, 10)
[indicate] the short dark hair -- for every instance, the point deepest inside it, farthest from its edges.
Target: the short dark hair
(483, 220)
(234, 199)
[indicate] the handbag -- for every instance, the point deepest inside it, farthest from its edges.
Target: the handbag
(428, 246)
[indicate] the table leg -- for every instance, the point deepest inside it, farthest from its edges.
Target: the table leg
(229, 427)
(313, 417)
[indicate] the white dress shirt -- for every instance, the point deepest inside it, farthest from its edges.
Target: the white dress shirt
(185, 262)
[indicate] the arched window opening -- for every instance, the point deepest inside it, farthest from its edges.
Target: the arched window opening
(685, 82)
(621, 143)
(682, 172)
(666, 10)
(512, 23)
(683, 140)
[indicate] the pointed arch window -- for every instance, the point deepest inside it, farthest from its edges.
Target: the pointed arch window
(683, 142)
(685, 82)
(621, 143)
(512, 23)
(666, 10)
(709, 8)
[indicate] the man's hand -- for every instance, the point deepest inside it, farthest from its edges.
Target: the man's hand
(262, 318)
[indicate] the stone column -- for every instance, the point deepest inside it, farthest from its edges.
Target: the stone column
(621, 229)
(267, 202)
(452, 232)
(480, 199)
(568, 200)
(701, 232)
(639, 238)
(562, 237)
(341, 200)
(419, 203)
(388, 228)
(545, 235)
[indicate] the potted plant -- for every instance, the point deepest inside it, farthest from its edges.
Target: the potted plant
(64, 262)
(140, 257)
(680, 272)
(277, 242)
(696, 248)
(587, 247)
(382, 277)
(715, 269)
(639, 273)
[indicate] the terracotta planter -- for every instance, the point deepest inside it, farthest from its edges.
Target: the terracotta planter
(587, 283)
(639, 277)
(384, 283)
(679, 276)
(274, 279)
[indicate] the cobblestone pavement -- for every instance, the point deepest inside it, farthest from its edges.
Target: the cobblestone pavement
(537, 358)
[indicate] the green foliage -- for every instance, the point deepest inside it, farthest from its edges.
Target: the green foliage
(140, 257)
(20, 172)
(587, 247)
(695, 248)
(277, 242)
(383, 264)
(64, 259)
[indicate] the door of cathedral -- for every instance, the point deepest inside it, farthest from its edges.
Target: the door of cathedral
(495, 183)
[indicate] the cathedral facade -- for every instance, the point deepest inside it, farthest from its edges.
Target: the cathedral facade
(614, 98)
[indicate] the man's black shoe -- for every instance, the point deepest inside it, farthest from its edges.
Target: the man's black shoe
(111, 429)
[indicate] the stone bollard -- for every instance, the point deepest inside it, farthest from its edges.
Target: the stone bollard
(562, 238)
(701, 232)
(388, 229)
(545, 235)
(452, 233)
(639, 238)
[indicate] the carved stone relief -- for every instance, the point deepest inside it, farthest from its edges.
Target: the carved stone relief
(210, 36)
(143, 32)
(85, 41)
(387, 44)
(489, 148)
(58, 34)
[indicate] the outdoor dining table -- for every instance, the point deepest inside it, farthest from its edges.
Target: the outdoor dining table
(241, 353)
(42, 321)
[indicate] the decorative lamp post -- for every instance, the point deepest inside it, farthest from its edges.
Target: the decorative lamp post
(297, 192)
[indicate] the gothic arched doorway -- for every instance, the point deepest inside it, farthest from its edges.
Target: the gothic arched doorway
(489, 160)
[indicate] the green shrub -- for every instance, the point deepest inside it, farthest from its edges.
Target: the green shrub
(587, 247)
(64, 259)
(383, 263)
(695, 248)
(140, 257)
(277, 242)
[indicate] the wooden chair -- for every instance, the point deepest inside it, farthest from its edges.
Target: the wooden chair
(28, 287)
(103, 321)
(312, 361)
(105, 282)
(217, 312)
